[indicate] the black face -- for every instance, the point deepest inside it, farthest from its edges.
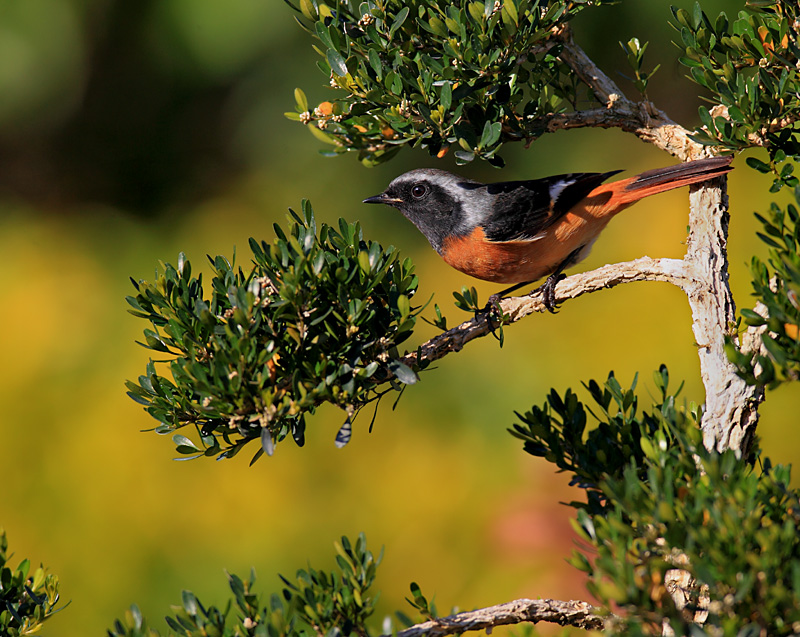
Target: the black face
(428, 205)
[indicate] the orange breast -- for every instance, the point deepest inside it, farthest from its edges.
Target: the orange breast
(523, 261)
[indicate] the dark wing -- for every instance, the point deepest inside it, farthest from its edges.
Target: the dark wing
(523, 209)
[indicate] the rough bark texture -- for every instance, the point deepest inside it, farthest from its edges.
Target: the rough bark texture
(564, 613)
(516, 308)
(730, 418)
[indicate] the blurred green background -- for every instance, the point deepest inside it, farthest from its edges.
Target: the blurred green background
(130, 131)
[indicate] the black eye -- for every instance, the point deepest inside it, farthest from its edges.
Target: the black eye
(419, 191)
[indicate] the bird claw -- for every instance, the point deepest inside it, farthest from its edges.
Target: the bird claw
(493, 312)
(548, 292)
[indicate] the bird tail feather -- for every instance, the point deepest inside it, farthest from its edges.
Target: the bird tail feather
(659, 180)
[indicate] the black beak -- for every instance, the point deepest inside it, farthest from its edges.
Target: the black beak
(383, 198)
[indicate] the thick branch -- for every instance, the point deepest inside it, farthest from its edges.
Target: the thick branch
(639, 118)
(569, 613)
(731, 406)
(516, 308)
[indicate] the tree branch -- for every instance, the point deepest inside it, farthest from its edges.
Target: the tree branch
(515, 308)
(642, 119)
(730, 402)
(565, 613)
(731, 406)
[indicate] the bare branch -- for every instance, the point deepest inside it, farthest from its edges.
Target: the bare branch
(639, 118)
(731, 405)
(642, 119)
(565, 613)
(515, 308)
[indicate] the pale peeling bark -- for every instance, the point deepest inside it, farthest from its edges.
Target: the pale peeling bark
(564, 613)
(730, 415)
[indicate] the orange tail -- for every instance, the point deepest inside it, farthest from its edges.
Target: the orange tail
(628, 191)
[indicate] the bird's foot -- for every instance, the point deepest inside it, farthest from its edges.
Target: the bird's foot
(548, 292)
(493, 312)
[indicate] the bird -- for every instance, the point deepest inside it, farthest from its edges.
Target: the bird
(518, 232)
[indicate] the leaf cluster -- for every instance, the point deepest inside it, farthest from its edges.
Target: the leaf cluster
(26, 600)
(668, 503)
(469, 75)
(776, 284)
(271, 618)
(335, 604)
(331, 602)
(557, 431)
(749, 66)
(317, 317)
(634, 54)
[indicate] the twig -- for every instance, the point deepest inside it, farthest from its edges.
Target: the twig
(565, 613)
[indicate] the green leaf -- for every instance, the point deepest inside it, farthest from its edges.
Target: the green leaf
(267, 444)
(399, 19)
(446, 96)
(438, 27)
(403, 306)
(337, 62)
(301, 100)
(758, 165)
(308, 9)
(402, 372)
(510, 10)
(490, 135)
(183, 441)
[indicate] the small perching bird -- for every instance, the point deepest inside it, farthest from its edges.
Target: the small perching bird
(520, 231)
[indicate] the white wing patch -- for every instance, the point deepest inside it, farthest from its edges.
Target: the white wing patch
(557, 188)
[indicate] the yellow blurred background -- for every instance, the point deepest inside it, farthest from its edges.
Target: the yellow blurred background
(132, 131)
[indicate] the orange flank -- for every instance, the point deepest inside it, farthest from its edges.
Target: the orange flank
(568, 239)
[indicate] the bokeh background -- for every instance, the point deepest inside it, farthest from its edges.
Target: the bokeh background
(131, 131)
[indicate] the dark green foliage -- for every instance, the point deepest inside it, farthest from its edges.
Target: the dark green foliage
(336, 604)
(557, 431)
(251, 616)
(777, 285)
(471, 75)
(669, 503)
(748, 64)
(26, 601)
(315, 318)
(340, 601)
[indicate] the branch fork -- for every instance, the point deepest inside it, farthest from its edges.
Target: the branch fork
(731, 406)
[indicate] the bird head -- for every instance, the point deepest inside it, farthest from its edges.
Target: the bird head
(440, 204)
